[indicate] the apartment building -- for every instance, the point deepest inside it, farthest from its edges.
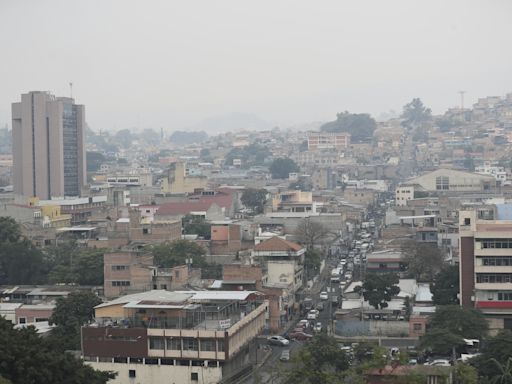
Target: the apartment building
(328, 140)
(179, 181)
(48, 146)
(189, 336)
(485, 266)
(130, 271)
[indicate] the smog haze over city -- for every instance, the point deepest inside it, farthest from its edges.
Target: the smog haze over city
(256, 192)
(175, 64)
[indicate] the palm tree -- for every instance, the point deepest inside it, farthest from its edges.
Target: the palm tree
(505, 372)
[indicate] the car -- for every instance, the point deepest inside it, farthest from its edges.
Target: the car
(318, 327)
(285, 355)
(320, 306)
(439, 363)
(303, 323)
(324, 296)
(313, 314)
(278, 340)
(300, 336)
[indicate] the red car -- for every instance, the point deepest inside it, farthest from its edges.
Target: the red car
(300, 336)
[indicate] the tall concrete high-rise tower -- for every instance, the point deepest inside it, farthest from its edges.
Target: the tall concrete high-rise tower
(48, 146)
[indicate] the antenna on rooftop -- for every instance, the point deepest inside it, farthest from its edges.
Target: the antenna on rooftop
(71, 90)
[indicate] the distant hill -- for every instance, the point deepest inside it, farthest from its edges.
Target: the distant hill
(232, 123)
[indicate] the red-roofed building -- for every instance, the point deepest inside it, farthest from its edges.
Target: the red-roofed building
(283, 265)
(210, 205)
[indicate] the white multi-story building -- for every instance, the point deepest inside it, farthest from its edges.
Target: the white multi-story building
(404, 193)
(485, 259)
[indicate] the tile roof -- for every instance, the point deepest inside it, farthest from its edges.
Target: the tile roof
(202, 204)
(277, 244)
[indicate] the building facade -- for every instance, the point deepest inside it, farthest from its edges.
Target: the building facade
(182, 336)
(328, 140)
(485, 265)
(48, 146)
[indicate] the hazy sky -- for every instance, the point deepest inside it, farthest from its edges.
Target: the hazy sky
(173, 63)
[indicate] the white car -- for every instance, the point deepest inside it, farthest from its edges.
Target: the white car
(439, 363)
(278, 340)
(318, 327)
(324, 296)
(313, 314)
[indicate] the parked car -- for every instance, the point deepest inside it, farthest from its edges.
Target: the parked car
(324, 296)
(278, 340)
(303, 323)
(439, 363)
(301, 336)
(313, 314)
(285, 355)
(318, 327)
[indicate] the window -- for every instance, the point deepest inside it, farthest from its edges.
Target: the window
(145, 231)
(194, 376)
(131, 373)
(163, 286)
(173, 343)
(190, 344)
(505, 296)
(494, 278)
(495, 243)
(22, 320)
(442, 183)
(220, 345)
(120, 267)
(446, 242)
(156, 343)
(207, 345)
(122, 283)
(417, 326)
(177, 274)
(467, 221)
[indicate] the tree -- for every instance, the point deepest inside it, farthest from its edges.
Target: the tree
(254, 154)
(423, 260)
(124, 137)
(415, 113)
(254, 199)
(188, 137)
(320, 361)
(504, 372)
(26, 358)
(196, 225)
(445, 287)
(94, 161)
(9, 230)
(312, 261)
(282, 167)
(360, 126)
(495, 349)
(20, 261)
(467, 323)
(310, 232)
(465, 374)
(68, 263)
(379, 289)
(168, 255)
(69, 315)
(441, 341)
